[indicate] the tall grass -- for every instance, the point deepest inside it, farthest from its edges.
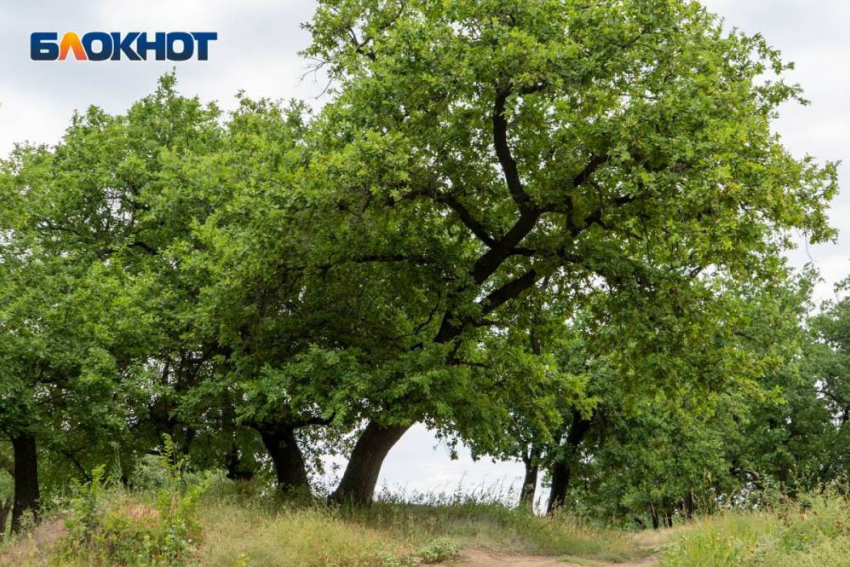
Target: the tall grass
(811, 532)
(400, 526)
(247, 525)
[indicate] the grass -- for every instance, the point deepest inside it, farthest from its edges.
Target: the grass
(387, 535)
(246, 525)
(494, 527)
(241, 525)
(308, 538)
(813, 532)
(397, 530)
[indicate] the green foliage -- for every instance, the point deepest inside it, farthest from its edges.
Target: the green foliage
(107, 524)
(511, 220)
(620, 153)
(438, 551)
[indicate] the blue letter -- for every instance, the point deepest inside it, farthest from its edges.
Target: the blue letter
(124, 46)
(188, 46)
(158, 44)
(43, 46)
(203, 43)
(105, 46)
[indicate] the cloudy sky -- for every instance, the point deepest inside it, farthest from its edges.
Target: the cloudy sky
(257, 51)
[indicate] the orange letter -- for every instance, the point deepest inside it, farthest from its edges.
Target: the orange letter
(72, 41)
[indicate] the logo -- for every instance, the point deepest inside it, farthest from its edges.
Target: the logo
(115, 46)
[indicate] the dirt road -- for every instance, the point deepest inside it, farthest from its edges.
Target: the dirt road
(475, 558)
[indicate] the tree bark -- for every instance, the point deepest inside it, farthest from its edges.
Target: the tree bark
(561, 473)
(529, 483)
(357, 486)
(27, 496)
(5, 509)
(236, 468)
(288, 461)
(690, 505)
(562, 469)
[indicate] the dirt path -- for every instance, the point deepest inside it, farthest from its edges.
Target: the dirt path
(475, 558)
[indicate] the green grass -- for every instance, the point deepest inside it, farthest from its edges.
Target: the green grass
(814, 532)
(246, 525)
(242, 525)
(497, 528)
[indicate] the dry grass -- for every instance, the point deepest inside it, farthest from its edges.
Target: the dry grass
(814, 532)
(493, 527)
(35, 547)
(243, 526)
(307, 538)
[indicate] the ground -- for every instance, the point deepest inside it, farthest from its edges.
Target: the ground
(478, 558)
(236, 526)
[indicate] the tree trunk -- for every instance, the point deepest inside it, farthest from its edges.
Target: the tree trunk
(5, 509)
(655, 522)
(690, 506)
(529, 483)
(563, 468)
(361, 475)
(561, 473)
(288, 461)
(236, 468)
(27, 496)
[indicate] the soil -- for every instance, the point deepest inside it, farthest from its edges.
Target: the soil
(474, 558)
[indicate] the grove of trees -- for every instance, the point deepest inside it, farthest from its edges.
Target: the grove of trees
(553, 230)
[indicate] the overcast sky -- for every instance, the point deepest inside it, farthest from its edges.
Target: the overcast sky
(257, 51)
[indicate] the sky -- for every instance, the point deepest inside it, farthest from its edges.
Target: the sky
(257, 51)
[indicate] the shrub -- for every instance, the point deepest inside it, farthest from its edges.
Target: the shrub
(107, 525)
(438, 551)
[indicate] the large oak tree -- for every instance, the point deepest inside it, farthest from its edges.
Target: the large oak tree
(625, 145)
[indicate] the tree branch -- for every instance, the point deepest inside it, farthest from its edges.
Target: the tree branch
(509, 291)
(467, 219)
(490, 262)
(503, 151)
(593, 165)
(314, 421)
(463, 213)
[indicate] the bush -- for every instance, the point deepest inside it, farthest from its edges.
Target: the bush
(438, 551)
(107, 525)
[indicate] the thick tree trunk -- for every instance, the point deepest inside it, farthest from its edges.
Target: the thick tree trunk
(561, 473)
(656, 523)
(562, 469)
(27, 496)
(529, 483)
(361, 475)
(288, 461)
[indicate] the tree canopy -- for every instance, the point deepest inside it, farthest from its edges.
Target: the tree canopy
(552, 230)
